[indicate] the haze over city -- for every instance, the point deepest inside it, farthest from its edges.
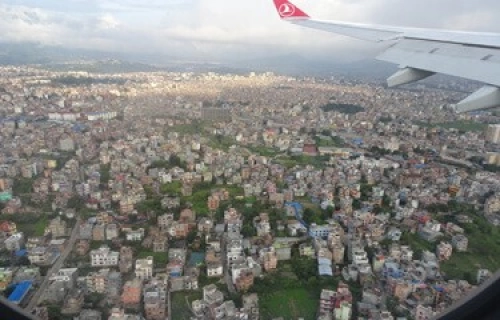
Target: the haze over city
(220, 30)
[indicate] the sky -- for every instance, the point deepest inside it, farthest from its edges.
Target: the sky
(222, 30)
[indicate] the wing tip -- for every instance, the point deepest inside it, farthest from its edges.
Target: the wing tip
(289, 11)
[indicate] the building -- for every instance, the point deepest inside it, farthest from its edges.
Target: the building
(87, 314)
(423, 313)
(493, 133)
(214, 269)
(269, 259)
(135, 235)
(307, 250)
(215, 114)
(57, 228)
(184, 283)
(245, 281)
(67, 144)
(40, 256)
(343, 311)
(251, 306)
(114, 287)
(316, 231)
(73, 303)
(119, 314)
(104, 257)
(482, 275)
(155, 300)
(444, 251)
(27, 274)
(67, 276)
(144, 268)
(460, 242)
(15, 242)
(327, 302)
(6, 276)
(112, 231)
(82, 247)
(160, 244)
(132, 292)
(213, 203)
(343, 302)
(165, 221)
(9, 228)
(126, 259)
(105, 282)
(42, 313)
(85, 231)
(20, 292)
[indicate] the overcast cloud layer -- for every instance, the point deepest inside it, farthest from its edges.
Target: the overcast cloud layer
(216, 30)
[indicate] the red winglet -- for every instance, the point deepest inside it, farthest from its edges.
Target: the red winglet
(288, 10)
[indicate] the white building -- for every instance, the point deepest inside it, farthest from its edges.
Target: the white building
(234, 250)
(316, 231)
(144, 268)
(14, 242)
(104, 257)
(40, 256)
(135, 235)
(214, 270)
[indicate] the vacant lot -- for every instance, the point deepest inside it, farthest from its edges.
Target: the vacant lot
(463, 125)
(181, 304)
(289, 304)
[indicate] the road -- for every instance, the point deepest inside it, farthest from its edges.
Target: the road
(169, 303)
(225, 262)
(55, 267)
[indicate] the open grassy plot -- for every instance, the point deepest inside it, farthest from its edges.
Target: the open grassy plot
(40, 225)
(463, 125)
(483, 252)
(36, 227)
(181, 304)
(160, 258)
(196, 127)
(30, 224)
(289, 304)
(173, 188)
(303, 160)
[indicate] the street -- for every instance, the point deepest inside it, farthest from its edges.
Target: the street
(55, 267)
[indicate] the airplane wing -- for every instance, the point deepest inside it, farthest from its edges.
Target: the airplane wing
(421, 53)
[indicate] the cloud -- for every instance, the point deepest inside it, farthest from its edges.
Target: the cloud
(222, 29)
(107, 21)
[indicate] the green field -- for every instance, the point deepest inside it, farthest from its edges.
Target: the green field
(40, 225)
(484, 242)
(174, 188)
(290, 304)
(29, 224)
(160, 258)
(462, 125)
(483, 252)
(303, 160)
(180, 307)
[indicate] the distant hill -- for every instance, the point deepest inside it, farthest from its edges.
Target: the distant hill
(65, 59)
(295, 64)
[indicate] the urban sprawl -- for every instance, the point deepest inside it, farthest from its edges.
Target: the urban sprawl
(169, 195)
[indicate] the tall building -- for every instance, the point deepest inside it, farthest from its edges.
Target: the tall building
(493, 133)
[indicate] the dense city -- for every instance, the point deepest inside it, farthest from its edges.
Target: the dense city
(202, 195)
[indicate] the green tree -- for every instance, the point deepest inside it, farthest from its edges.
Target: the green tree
(356, 204)
(248, 230)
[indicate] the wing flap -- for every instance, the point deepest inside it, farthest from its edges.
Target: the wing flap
(360, 32)
(475, 63)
